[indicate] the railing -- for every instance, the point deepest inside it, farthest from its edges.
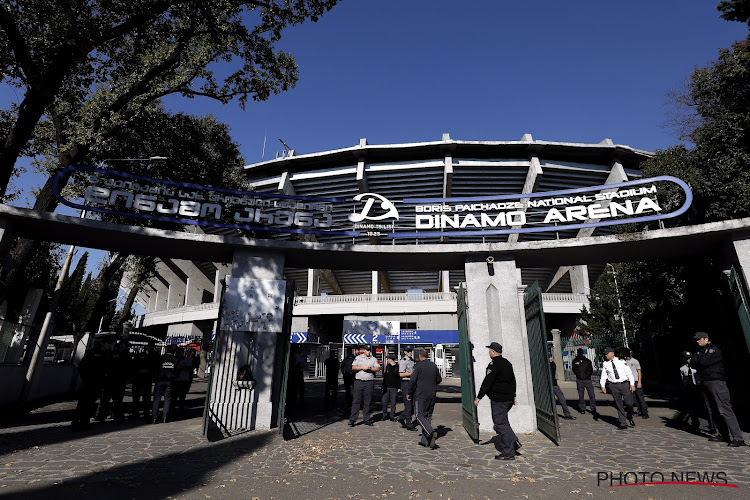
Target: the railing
(184, 309)
(376, 297)
(564, 297)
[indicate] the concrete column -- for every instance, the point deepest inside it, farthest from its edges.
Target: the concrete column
(495, 315)
(579, 279)
(375, 283)
(446, 281)
(176, 297)
(217, 286)
(313, 282)
(256, 409)
(557, 354)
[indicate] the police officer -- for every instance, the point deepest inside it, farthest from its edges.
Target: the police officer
(423, 386)
(499, 385)
(405, 369)
(168, 367)
(391, 383)
(710, 365)
(616, 376)
(92, 368)
(583, 370)
(558, 392)
(695, 395)
(635, 367)
(365, 366)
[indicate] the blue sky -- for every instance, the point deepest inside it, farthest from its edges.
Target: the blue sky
(409, 70)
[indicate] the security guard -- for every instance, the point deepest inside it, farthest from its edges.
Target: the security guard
(500, 386)
(365, 366)
(423, 387)
(405, 369)
(710, 365)
(615, 376)
(583, 369)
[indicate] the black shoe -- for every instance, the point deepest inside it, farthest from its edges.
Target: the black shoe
(351, 424)
(368, 422)
(503, 457)
(393, 419)
(569, 417)
(410, 427)
(153, 421)
(582, 412)
(595, 414)
(433, 439)
(631, 422)
(622, 427)
(716, 439)
(736, 443)
(517, 444)
(645, 416)
(422, 444)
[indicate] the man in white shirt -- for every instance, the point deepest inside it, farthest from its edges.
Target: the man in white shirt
(616, 376)
(365, 366)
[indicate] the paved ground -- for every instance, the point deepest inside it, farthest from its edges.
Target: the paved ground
(41, 458)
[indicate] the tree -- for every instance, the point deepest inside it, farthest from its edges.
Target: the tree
(110, 58)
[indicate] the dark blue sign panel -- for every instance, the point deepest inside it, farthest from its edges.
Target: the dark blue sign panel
(111, 192)
(407, 337)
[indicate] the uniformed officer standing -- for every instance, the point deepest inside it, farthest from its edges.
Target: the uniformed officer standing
(499, 385)
(558, 392)
(391, 383)
(616, 376)
(405, 369)
(696, 396)
(635, 367)
(583, 369)
(710, 365)
(423, 388)
(365, 366)
(92, 368)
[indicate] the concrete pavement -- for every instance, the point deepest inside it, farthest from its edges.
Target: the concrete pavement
(41, 458)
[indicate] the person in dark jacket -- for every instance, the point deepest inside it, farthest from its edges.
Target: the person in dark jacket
(558, 392)
(348, 373)
(499, 385)
(583, 370)
(168, 367)
(145, 367)
(423, 388)
(115, 383)
(332, 365)
(391, 383)
(710, 366)
(92, 369)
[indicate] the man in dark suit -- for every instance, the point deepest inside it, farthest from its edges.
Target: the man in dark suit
(423, 388)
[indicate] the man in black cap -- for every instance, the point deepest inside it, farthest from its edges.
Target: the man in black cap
(499, 385)
(391, 383)
(365, 366)
(616, 376)
(423, 388)
(405, 369)
(710, 365)
(558, 392)
(584, 369)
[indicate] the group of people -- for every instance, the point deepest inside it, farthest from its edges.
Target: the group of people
(416, 381)
(106, 369)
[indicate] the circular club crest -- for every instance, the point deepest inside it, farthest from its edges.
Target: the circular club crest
(371, 326)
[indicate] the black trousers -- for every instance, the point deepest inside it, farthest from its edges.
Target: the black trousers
(502, 426)
(718, 390)
(362, 396)
(624, 400)
(141, 395)
(586, 386)
(162, 387)
(424, 408)
(332, 388)
(348, 386)
(408, 403)
(562, 400)
(390, 394)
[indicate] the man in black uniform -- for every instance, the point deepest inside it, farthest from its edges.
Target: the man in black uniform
(558, 392)
(92, 368)
(423, 388)
(145, 366)
(348, 374)
(168, 367)
(332, 365)
(499, 385)
(583, 370)
(710, 365)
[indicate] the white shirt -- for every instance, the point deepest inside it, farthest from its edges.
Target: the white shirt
(623, 371)
(369, 362)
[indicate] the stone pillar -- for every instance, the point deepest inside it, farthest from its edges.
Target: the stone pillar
(557, 354)
(495, 315)
(375, 283)
(579, 279)
(446, 279)
(313, 282)
(256, 409)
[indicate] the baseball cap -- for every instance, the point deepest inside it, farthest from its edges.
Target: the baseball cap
(495, 347)
(392, 356)
(367, 347)
(686, 354)
(700, 335)
(408, 348)
(607, 350)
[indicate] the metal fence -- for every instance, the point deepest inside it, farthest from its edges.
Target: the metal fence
(593, 348)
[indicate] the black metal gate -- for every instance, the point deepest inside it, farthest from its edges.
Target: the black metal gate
(285, 345)
(541, 374)
(468, 409)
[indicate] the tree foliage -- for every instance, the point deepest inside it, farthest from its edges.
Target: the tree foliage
(108, 59)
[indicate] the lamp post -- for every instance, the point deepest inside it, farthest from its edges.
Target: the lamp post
(619, 306)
